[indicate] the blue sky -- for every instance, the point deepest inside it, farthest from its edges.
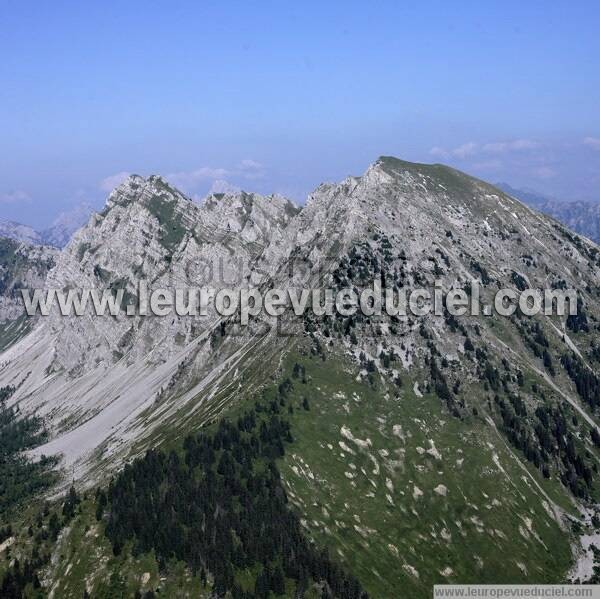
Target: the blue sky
(270, 96)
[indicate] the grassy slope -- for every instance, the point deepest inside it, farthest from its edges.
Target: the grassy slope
(359, 498)
(356, 491)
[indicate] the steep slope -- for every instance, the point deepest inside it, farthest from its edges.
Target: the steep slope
(422, 444)
(520, 394)
(92, 377)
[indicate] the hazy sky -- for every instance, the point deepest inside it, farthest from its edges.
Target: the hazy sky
(273, 97)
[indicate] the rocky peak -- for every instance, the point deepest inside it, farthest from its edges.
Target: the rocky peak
(150, 231)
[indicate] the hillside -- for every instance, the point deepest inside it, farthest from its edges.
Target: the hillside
(414, 449)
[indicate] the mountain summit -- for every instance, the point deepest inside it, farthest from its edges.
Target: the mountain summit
(476, 436)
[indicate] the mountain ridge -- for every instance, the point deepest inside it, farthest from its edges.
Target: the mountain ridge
(167, 236)
(398, 403)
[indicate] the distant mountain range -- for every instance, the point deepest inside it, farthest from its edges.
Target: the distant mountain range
(57, 235)
(583, 217)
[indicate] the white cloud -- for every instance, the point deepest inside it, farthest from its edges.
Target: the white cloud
(249, 164)
(465, 150)
(196, 181)
(109, 183)
(437, 151)
(524, 144)
(461, 151)
(515, 145)
(222, 186)
(544, 172)
(472, 148)
(250, 169)
(188, 181)
(592, 142)
(191, 181)
(14, 197)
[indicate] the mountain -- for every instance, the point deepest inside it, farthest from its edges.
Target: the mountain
(583, 217)
(57, 235)
(322, 455)
(65, 225)
(12, 230)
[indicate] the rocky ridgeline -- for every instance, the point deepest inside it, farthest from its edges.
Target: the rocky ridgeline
(150, 232)
(104, 384)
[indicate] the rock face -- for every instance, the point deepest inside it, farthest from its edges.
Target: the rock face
(106, 385)
(149, 232)
(116, 368)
